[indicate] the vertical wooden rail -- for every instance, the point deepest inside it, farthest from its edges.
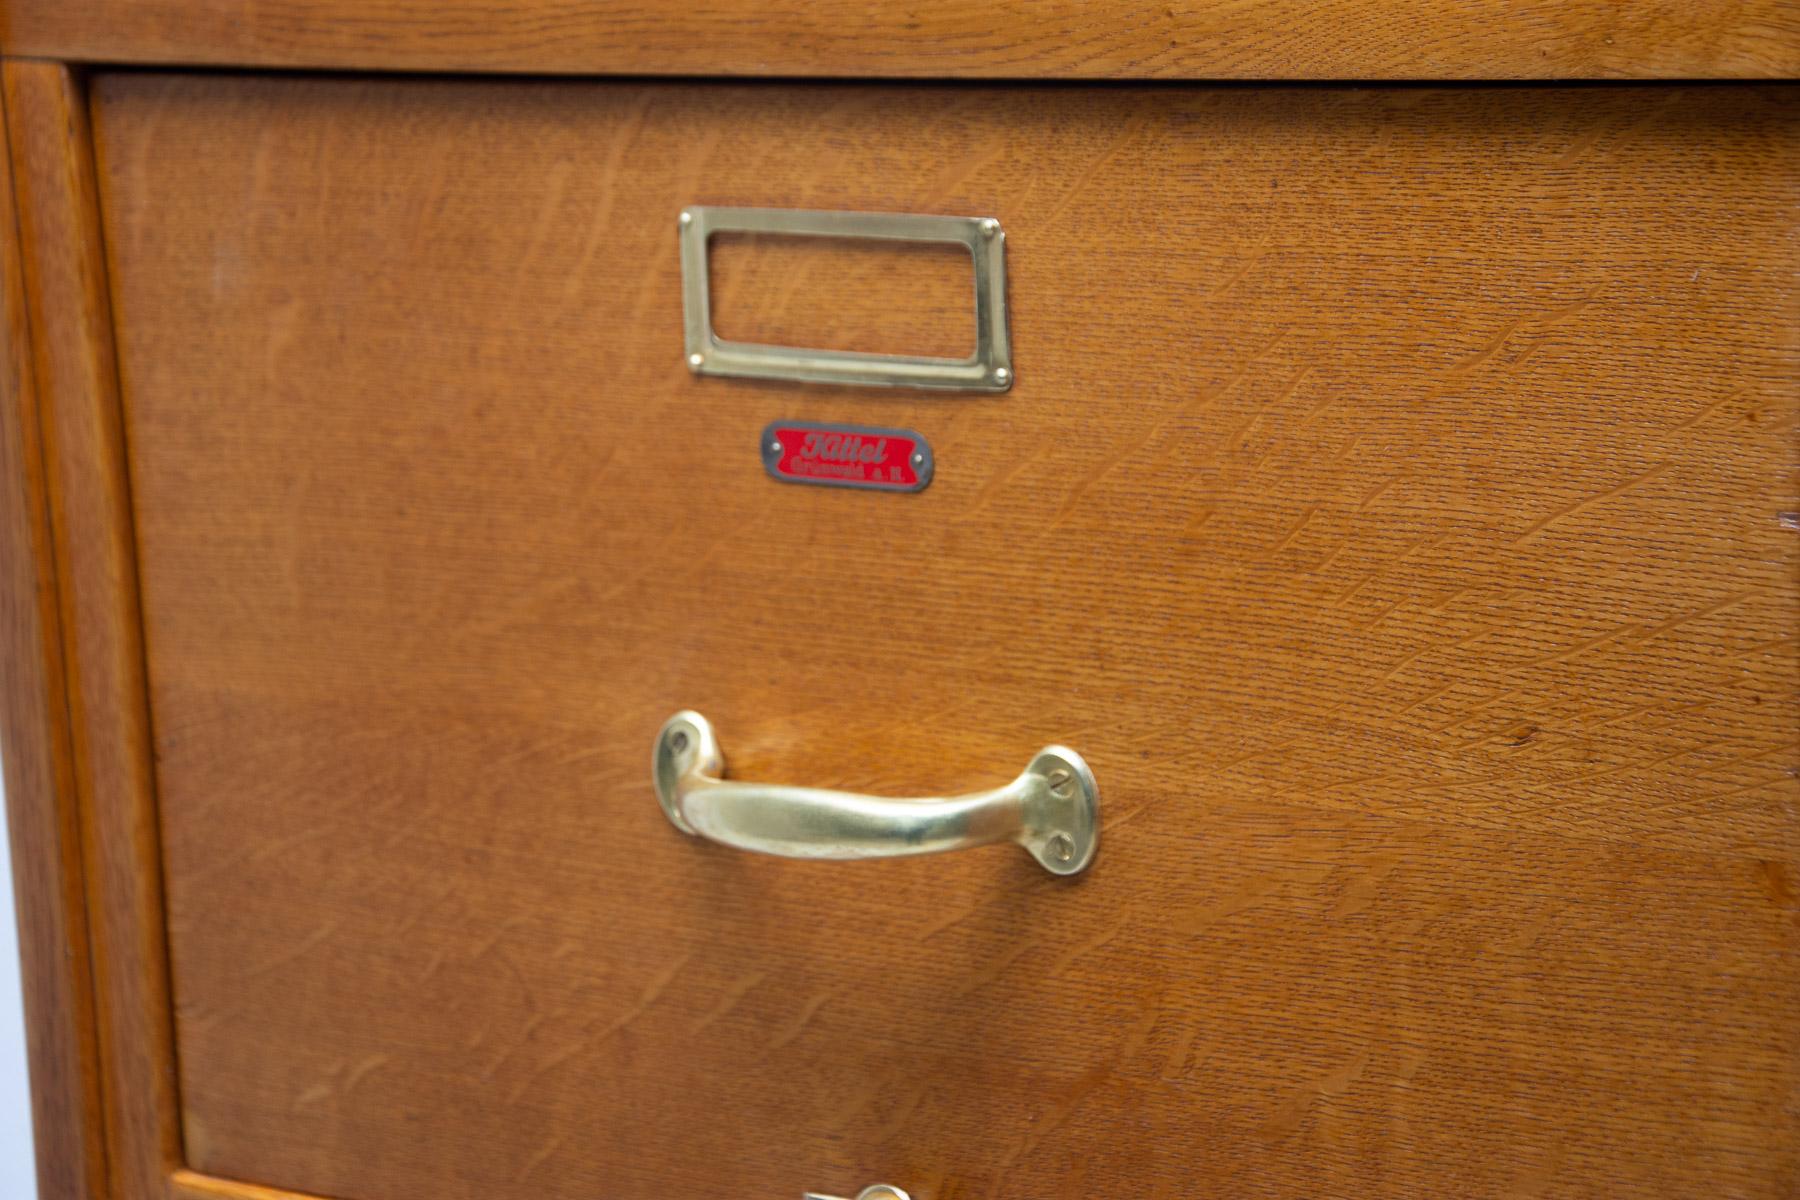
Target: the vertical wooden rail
(40, 785)
(67, 305)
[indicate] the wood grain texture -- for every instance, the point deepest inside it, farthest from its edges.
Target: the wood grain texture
(101, 648)
(1068, 39)
(41, 818)
(1390, 508)
(191, 1185)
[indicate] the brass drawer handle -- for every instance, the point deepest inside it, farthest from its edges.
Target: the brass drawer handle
(1052, 809)
(989, 369)
(881, 1191)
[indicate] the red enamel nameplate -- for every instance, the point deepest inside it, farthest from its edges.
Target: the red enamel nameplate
(858, 456)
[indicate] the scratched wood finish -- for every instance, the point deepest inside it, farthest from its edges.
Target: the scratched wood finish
(101, 654)
(41, 823)
(1116, 39)
(1391, 507)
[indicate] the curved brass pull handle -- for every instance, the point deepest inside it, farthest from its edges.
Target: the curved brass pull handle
(1052, 809)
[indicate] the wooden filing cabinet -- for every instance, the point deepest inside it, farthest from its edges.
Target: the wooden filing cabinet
(1395, 501)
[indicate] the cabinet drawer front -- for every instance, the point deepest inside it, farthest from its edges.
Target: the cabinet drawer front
(1394, 506)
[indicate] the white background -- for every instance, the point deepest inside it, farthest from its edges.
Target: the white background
(18, 1178)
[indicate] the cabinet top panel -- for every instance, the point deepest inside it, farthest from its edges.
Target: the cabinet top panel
(1041, 39)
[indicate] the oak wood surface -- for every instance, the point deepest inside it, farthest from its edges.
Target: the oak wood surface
(191, 1185)
(41, 822)
(1396, 506)
(1070, 39)
(101, 649)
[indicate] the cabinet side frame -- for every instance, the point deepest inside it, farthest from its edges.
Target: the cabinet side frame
(42, 819)
(85, 776)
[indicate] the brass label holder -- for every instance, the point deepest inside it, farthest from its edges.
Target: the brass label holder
(989, 369)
